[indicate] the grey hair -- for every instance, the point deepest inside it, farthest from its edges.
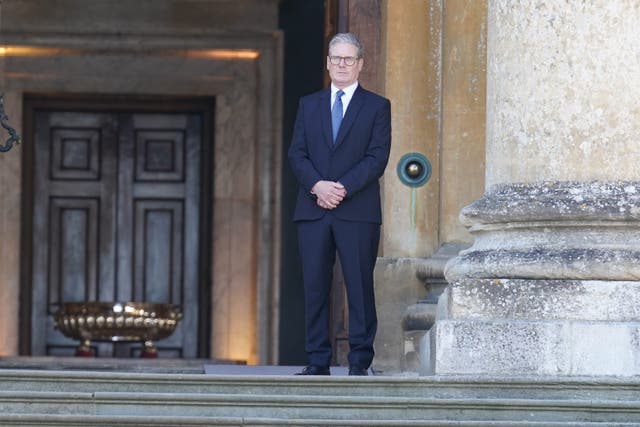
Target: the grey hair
(347, 38)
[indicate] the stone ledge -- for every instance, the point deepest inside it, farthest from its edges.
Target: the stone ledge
(49, 363)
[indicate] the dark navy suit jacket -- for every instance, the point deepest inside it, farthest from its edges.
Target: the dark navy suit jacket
(357, 159)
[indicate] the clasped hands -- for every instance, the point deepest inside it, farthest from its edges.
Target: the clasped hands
(329, 194)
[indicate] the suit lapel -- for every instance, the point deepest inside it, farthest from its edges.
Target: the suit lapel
(325, 116)
(356, 103)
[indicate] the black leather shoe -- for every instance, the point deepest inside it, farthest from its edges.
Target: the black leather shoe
(358, 371)
(315, 370)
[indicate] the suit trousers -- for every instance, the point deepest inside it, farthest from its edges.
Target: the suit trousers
(357, 246)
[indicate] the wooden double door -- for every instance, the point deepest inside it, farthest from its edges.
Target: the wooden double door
(119, 214)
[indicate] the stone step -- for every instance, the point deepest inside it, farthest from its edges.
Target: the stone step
(444, 387)
(314, 407)
(29, 397)
(130, 421)
(329, 412)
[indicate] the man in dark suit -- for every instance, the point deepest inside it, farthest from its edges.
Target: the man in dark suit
(339, 150)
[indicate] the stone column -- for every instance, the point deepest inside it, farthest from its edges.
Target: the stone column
(550, 286)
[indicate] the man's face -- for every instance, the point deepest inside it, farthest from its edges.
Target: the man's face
(343, 75)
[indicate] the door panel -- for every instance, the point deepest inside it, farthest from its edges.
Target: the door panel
(116, 217)
(158, 243)
(74, 249)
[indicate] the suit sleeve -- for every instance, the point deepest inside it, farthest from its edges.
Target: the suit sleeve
(302, 167)
(371, 167)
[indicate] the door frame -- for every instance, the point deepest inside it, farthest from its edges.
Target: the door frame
(118, 103)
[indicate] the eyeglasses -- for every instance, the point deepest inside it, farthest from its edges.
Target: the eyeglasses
(348, 60)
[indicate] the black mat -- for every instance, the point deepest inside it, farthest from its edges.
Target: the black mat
(264, 370)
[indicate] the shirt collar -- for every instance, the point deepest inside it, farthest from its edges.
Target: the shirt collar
(348, 91)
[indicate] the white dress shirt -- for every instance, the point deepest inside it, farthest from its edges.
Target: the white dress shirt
(346, 98)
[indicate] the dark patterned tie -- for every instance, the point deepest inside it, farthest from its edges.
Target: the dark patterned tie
(336, 114)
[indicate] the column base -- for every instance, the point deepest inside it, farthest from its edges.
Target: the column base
(553, 230)
(550, 286)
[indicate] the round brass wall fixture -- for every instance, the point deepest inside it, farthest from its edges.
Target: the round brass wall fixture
(414, 169)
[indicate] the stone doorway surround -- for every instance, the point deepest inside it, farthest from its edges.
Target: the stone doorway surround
(227, 50)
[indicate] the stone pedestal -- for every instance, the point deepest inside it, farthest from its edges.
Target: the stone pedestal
(550, 286)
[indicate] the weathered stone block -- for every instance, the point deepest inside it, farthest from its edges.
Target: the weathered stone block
(593, 300)
(517, 347)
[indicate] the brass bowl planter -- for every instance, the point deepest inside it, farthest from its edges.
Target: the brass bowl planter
(117, 322)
